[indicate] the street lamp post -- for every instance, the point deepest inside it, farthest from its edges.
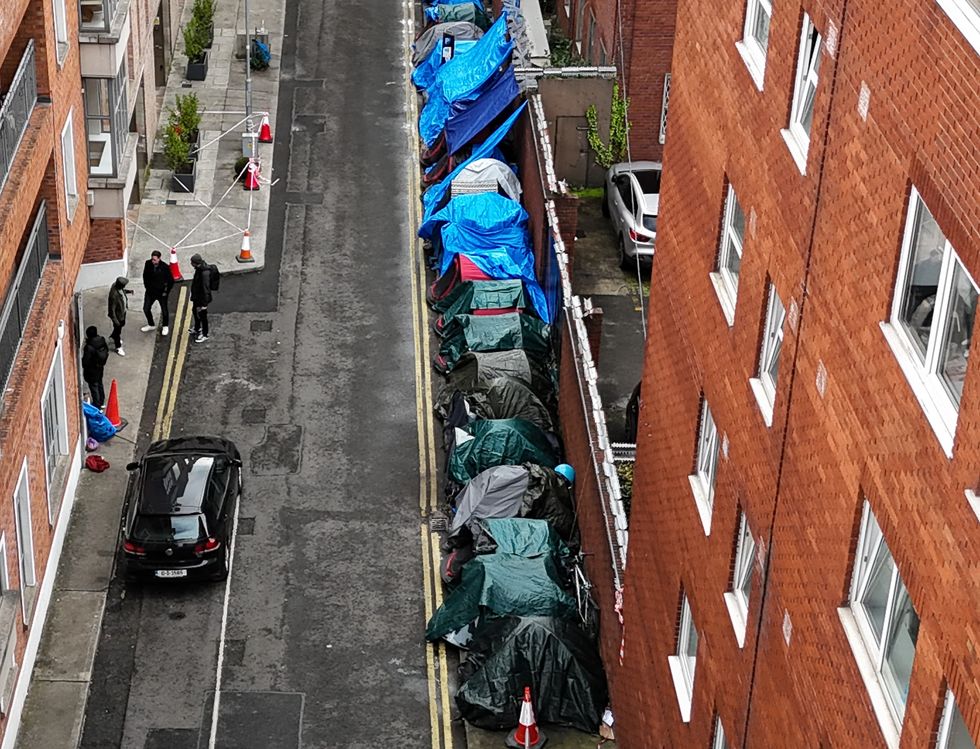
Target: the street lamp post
(249, 125)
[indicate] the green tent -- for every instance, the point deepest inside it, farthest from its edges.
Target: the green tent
(493, 333)
(498, 442)
(499, 398)
(471, 296)
(470, 12)
(474, 370)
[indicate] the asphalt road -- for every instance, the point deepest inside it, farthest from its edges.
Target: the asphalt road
(310, 370)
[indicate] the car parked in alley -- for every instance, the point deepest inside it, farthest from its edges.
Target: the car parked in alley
(631, 200)
(179, 509)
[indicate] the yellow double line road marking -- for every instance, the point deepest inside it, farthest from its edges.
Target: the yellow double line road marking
(163, 422)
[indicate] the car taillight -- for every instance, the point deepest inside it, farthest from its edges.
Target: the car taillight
(637, 237)
(130, 548)
(211, 544)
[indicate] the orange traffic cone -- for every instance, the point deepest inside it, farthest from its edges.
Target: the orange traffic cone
(252, 176)
(112, 406)
(175, 266)
(245, 256)
(526, 735)
(265, 130)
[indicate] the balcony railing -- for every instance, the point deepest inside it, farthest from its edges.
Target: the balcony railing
(20, 295)
(16, 106)
(96, 15)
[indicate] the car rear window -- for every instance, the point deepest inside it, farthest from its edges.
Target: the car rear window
(649, 222)
(168, 527)
(649, 181)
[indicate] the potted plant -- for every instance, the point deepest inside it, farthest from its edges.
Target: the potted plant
(177, 152)
(185, 117)
(240, 163)
(203, 14)
(197, 55)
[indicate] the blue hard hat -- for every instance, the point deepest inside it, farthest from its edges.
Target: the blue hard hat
(567, 471)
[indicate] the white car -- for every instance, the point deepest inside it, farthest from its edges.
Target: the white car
(631, 200)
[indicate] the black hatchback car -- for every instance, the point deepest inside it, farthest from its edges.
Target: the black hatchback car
(179, 506)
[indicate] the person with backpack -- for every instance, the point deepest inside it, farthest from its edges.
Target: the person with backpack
(117, 311)
(95, 353)
(158, 282)
(206, 279)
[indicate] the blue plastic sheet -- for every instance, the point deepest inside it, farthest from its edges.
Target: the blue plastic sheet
(425, 74)
(97, 423)
(463, 78)
(432, 197)
(467, 119)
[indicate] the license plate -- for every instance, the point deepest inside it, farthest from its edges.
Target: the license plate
(171, 573)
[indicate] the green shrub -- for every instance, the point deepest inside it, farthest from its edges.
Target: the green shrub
(615, 151)
(186, 115)
(240, 163)
(203, 13)
(195, 39)
(176, 149)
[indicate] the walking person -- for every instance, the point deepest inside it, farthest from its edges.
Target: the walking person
(94, 356)
(117, 311)
(158, 282)
(201, 286)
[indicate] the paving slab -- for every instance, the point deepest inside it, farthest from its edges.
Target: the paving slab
(559, 737)
(56, 727)
(70, 635)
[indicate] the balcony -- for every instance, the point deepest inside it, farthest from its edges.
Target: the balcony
(20, 295)
(16, 105)
(103, 36)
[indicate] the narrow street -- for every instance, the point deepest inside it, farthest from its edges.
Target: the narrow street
(311, 370)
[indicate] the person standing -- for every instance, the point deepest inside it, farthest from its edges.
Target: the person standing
(158, 282)
(200, 297)
(94, 356)
(117, 311)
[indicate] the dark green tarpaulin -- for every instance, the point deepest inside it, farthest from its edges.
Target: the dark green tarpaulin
(523, 537)
(480, 295)
(500, 398)
(495, 333)
(554, 657)
(463, 12)
(497, 442)
(475, 369)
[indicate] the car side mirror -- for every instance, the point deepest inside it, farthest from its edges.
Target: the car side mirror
(132, 466)
(236, 462)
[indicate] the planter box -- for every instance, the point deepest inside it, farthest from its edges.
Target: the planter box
(195, 143)
(198, 71)
(210, 35)
(183, 180)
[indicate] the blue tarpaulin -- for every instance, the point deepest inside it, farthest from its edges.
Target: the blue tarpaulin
(97, 423)
(432, 197)
(463, 78)
(466, 120)
(425, 74)
(491, 231)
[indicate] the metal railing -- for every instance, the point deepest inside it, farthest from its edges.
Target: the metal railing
(96, 15)
(15, 110)
(20, 295)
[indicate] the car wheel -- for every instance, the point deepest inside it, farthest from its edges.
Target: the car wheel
(222, 573)
(625, 262)
(605, 201)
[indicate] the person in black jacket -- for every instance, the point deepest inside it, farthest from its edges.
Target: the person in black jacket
(158, 282)
(117, 311)
(200, 297)
(94, 356)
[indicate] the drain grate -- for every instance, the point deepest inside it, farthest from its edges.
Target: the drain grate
(261, 326)
(253, 415)
(246, 526)
(438, 522)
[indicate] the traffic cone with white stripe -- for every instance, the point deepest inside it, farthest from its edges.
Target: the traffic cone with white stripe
(252, 176)
(175, 266)
(526, 735)
(265, 130)
(245, 256)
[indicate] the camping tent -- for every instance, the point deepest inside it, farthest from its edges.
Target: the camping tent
(433, 36)
(474, 369)
(469, 117)
(493, 333)
(554, 656)
(480, 297)
(490, 170)
(495, 442)
(424, 74)
(500, 398)
(452, 11)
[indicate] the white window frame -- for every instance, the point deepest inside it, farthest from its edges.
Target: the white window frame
(753, 53)
(706, 465)
(764, 383)
(60, 10)
(4, 572)
(923, 372)
(682, 666)
(868, 652)
(22, 497)
(965, 17)
(736, 600)
(718, 739)
(724, 281)
(55, 382)
(797, 137)
(950, 713)
(68, 165)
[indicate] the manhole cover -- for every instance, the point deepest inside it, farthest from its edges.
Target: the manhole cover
(438, 523)
(261, 326)
(253, 415)
(246, 526)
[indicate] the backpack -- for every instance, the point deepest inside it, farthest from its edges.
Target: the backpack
(214, 278)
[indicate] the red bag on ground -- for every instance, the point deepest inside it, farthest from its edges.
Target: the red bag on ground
(96, 463)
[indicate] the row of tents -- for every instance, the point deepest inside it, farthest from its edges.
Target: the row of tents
(518, 600)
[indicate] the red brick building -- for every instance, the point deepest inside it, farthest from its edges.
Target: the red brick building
(804, 557)
(44, 228)
(638, 40)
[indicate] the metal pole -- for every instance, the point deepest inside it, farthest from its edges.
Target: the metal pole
(249, 126)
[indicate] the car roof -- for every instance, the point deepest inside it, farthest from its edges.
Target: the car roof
(174, 484)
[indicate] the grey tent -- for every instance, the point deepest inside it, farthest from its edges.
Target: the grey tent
(527, 491)
(490, 171)
(478, 368)
(429, 38)
(500, 398)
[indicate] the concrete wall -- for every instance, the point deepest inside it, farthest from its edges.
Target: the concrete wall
(565, 102)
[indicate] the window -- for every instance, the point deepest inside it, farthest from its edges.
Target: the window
(887, 624)
(68, 164)
(755, 38)
(684, 660)
(603, 58)
(706, 466)
(95, 15)
(25, 535)
(54, 427)
(60, 29)
(105, 122)
(579, 24)
(932, 317)
(966, 15)
(737, 597)
(804, 94)
(953, 733)
(718, 740)
(588, 49)
(725, 277)
(764, 383)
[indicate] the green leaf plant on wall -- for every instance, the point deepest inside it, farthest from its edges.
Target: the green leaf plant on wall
(615, 151)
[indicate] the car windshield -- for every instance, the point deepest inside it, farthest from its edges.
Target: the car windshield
(175, 483)
(168, 528)
(649, 181)
(649, 222)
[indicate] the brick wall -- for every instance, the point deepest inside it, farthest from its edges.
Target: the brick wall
(107, 240)
(829, 240)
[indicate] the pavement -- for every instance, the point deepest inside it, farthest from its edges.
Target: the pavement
(558, 737)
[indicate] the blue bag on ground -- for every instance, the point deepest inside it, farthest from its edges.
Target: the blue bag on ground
(98, 424)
